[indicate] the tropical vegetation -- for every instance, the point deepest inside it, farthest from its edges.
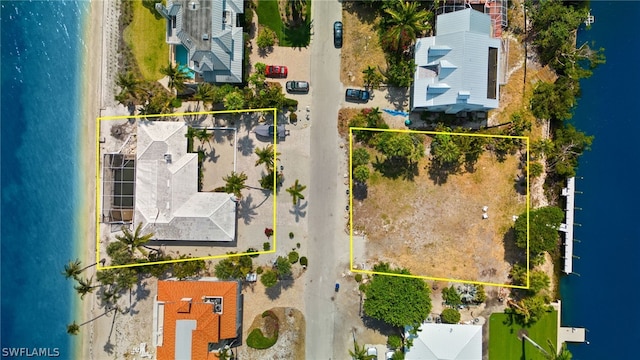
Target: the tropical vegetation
(396, 308)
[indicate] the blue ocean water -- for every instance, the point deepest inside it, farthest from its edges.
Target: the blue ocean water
(41, 59)
(602, 299)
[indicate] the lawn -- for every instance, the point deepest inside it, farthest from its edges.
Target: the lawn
(269, 16)
(146, 37)
(504, 342)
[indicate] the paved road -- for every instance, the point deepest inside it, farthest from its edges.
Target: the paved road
(325, 210)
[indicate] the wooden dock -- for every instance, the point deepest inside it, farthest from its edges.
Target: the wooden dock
(567, 226)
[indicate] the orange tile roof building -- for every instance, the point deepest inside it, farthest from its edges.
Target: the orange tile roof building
(193, 317)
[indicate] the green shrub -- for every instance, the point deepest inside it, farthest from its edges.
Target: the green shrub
(358, 277)
(257, 340)
(290, 235)
(394, 341)
(290, 103)
(252, 252)
(266, 246)
(304, 261)
(266, 38)
(259, 270)
(293, 257)
(293, 117)
(450, 316)
(298, 245)
(535, 169)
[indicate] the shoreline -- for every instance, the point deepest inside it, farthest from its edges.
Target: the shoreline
(92, 83)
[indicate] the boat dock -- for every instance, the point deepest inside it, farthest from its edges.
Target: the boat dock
(568, 334)
(567, 226)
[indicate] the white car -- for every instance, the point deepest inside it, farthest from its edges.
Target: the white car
(372, 352)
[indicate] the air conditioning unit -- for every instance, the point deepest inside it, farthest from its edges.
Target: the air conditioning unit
(216, 301)
(205, 37)
(167, 158)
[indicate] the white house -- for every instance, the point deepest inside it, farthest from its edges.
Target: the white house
(168, 202)
(446, 342)
(457, 69)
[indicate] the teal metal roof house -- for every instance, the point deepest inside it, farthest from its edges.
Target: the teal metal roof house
(457, 69)
(211, 33)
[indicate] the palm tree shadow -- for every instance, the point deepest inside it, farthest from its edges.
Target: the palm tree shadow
(246, 146)
(108, 347)
(246, 211)
(211, 156)
(299, 36)
(299, 210)
(274, 291)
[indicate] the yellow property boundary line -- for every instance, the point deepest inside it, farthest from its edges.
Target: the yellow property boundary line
(351, 268)
(98, 183)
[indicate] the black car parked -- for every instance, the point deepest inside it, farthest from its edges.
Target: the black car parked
(300, 87)
(357, 95)
(337, 34)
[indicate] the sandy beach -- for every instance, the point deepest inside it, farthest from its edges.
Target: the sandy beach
(92, 90)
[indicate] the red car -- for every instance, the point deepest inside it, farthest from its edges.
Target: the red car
(276, 71)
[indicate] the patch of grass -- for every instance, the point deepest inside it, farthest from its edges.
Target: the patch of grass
(146, 37)
(269, 16)
(257, 340)
(505, 344)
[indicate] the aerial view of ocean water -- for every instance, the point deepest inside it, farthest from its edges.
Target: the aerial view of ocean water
(601, 298)
(40, 109)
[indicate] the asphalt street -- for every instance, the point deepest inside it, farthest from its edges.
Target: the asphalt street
(326, 211)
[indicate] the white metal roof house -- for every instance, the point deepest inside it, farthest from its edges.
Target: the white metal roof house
(457, 69)
(211, 32)
(446, 342)
(167, 199)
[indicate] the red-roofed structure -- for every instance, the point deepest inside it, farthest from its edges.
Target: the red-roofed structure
(193, 317)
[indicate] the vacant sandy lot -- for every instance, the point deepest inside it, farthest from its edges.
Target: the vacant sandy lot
(438, 230)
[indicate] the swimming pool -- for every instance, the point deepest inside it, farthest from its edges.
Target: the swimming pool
(182, 58)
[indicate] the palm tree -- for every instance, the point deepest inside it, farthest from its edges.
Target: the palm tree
(134, 240)
(73, 328)
(204, 93)
(373, 117)
(177, 76)
(235, 183)
(360, 353)
(266, 156)
(129, 88)
(562, 354)
(203, 135)
(371, 77)
(405, 24)
(296, 192)
(85, 286)
(72, 269)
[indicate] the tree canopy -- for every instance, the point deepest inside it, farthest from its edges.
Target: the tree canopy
(543, 229)
(384, 302)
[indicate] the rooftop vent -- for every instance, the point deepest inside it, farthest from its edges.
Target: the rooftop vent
(167, 158)
(193, 5)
